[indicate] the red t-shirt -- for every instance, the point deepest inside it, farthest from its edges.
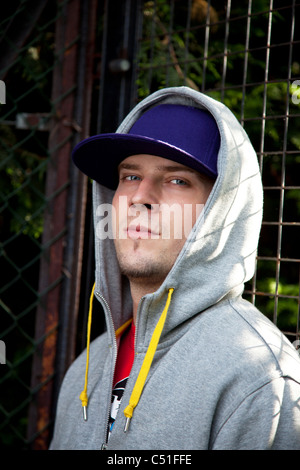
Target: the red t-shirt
(125, 354)
(123, 367)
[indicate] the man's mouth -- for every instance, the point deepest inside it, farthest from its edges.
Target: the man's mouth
(141, 232)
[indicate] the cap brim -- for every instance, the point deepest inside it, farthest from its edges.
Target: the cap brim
(99, 156)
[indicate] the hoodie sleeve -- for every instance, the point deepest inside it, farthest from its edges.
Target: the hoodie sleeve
(265, 420)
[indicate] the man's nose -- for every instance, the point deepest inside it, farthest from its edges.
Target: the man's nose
(146, 193)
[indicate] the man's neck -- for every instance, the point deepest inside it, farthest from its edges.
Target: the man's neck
(138, 289)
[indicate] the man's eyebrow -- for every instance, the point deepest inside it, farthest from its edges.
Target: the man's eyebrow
(128, 166)
(176, 168)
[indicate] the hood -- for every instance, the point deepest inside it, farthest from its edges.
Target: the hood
(219, 255)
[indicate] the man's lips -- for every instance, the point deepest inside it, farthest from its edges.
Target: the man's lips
(140, 231)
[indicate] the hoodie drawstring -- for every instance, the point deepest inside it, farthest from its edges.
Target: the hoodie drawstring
(83, 396)
(140, 381)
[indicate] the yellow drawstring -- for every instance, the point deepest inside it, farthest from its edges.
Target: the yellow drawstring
(83, 396)
(139, 384)
(123, 327)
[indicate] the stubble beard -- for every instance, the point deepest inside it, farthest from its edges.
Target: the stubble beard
(144, 269)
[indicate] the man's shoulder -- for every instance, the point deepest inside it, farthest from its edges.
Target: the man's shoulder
(96, 357)
(243, 340)
(266, 340)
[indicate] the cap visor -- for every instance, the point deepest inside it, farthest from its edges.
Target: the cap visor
(99, 156)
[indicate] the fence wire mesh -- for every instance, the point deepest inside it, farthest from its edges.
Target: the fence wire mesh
(246, 54)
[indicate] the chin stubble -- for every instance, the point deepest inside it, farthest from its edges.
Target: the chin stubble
(143, 270)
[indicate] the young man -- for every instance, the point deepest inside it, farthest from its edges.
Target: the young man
(185, 362)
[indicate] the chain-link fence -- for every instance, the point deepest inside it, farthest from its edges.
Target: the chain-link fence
(73, 68)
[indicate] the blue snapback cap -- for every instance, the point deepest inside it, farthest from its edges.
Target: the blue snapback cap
(184, 134)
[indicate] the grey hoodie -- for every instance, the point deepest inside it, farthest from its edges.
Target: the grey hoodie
(223, 376)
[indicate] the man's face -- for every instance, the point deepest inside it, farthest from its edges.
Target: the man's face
(157, 202)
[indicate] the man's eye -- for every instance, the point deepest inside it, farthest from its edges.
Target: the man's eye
(131, 178)
(178, 181)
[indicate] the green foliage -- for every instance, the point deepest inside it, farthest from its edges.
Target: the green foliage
(287, 302)
(22, 185)
(23, 153)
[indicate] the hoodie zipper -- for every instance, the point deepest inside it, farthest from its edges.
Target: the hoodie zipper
(136, 320)
(103, 300)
